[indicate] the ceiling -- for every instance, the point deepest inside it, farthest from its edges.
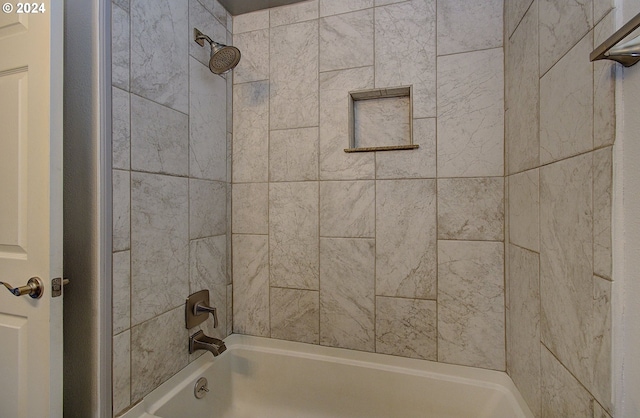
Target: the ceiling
(238, 7)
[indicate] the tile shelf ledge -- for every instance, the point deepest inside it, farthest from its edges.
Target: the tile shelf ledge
(384, 148)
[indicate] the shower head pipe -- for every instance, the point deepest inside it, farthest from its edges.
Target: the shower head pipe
(223, 58)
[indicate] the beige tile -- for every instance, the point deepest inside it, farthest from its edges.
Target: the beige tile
(562, 24)
(121, 371)
(347, 209)
(293, 13)
(159, 349)
(207, 208)
(293, 235)
(524, 209)
(514, 10)
(120, 42)
(293, 155)
(335, 164)
(121, 129)
(406, 249)
(524, 324)
(121, 291)
(334, 7)
(469, 26)
(406, 327)
(604, 76)
(251, 21)
(294, 75)
(417, 163)
(251, 132)
(347, 306)
(471, 209)
(406, 30)
(346, 40)
(602, 211)
(562, 394)
(250, 208)
(295, 315)
(471, 303)
(471, 114)
(251, 285)
(121, 210)
(254, 64)
(566, 105)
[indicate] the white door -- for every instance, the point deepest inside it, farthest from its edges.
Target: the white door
(30, 207)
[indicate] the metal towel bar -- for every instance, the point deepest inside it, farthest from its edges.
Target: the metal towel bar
(627, 53)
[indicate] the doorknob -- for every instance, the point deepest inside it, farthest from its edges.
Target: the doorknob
(33, 288)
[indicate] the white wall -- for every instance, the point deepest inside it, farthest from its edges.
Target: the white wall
(627, 234)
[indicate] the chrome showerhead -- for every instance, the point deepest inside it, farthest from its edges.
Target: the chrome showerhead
(223, 58)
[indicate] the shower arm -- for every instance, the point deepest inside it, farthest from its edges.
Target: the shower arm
(200, 37)
(627, 53)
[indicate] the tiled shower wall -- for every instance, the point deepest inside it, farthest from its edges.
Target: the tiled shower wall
(170, 186)
(560, 118)
(396, 252)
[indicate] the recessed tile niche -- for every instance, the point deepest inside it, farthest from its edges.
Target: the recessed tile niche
(381, 120)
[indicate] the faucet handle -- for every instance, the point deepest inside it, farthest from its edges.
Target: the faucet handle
(200, 308)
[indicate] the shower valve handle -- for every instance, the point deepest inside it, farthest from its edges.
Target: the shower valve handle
(200, 308)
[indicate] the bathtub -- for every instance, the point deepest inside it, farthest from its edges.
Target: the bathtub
(266, 378)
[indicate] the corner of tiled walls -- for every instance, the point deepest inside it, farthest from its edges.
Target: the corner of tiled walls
(560, 128)
(171, 186)
(396, 252)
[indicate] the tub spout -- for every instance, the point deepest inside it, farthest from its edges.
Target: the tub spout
(199, 341)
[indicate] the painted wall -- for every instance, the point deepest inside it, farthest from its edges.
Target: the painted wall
(170, 186)
(394, 252)
(560, 118)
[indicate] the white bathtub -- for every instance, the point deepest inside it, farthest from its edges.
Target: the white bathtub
(265, 378)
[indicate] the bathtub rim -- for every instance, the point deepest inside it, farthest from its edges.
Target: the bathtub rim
(467, 375)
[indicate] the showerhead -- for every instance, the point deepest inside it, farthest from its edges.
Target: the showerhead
(223, 58)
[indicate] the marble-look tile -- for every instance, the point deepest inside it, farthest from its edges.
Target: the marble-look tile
(406, 327)
(566, 105)
(250, 208)
(524, 209)
(386, 2)
(159, 349)
(254, 64)
(600, 10)
(120, 40)
(121, 272)
(251, 21)
(293, 235)
(124, 4)
(229, 112)
(208, 261)
(294, 315)
(159, 48)
(602, 212)
(121, 371)
(251, 285)
(382, 122)
(562, 394)
(562, 24)
(471, 114)
(229, 309)
(159, 244)
(346, 40)
(417, 163)
(207, 208)
(347, 209)
(599, 412)
(465, 26)
(334, 7)
(406, 246)
(523, 95)
(121, 210)
(207, 124)
(293, 155)
(159, 138)
(293, 13)
(335, 164)
(471, 304)
(251, 132)
(294, 75)
(201, 18)
(604, 76)
(347, 305)
(524, 324)
(576, 311)
(216, 9)
(405, 47)
(120, 129)
(471, 209)
(514, 10)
